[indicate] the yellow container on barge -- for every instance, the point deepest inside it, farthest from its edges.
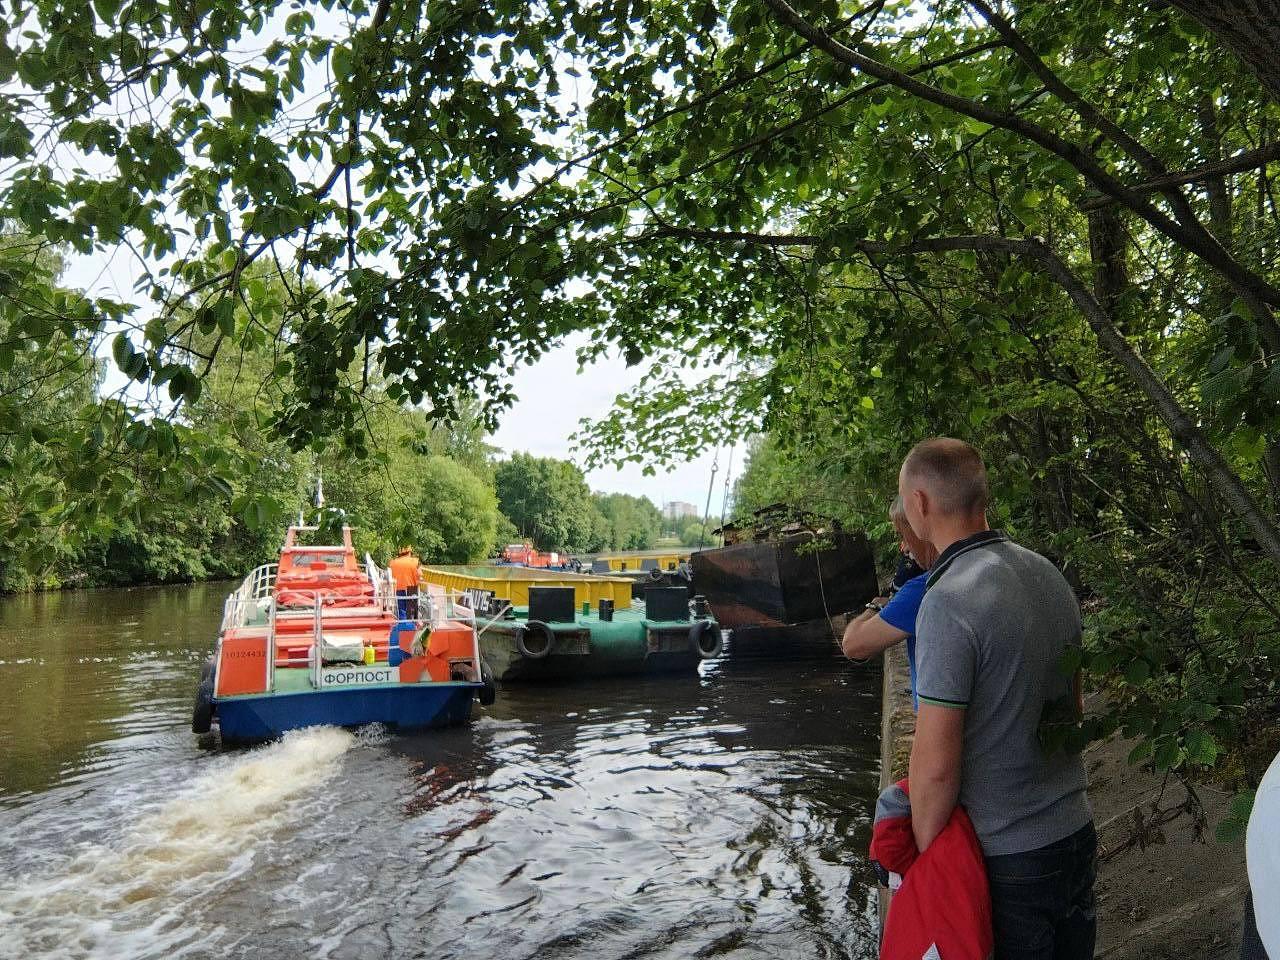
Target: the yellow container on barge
(512, 583)
(640, 561)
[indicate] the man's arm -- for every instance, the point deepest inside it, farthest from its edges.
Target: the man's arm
(868, 635)
(935, 769)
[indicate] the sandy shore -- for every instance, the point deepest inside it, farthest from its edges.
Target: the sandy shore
(1169, 891)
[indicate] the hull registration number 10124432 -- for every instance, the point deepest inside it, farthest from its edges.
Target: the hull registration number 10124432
(357, 676)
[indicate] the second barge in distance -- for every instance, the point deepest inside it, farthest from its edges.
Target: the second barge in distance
(646, 569)
(549, 625)
(786, 583)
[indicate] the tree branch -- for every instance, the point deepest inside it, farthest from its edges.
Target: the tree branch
(770, 135)
(1203, 245)
(1181, 425)
(1059, 88)
(729, 84)
(1236, 163)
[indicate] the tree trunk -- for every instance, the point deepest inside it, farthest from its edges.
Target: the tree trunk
(1184, 430)
(1110, 267)
(1215, 186)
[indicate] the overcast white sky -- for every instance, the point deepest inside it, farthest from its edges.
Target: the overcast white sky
(554, 397)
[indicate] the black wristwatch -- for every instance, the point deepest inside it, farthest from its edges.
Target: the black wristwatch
(875, 606)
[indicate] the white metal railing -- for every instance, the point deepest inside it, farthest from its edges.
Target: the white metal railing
(317, 636)
(375, 574)
(386, 591)
(257, 586)
(271, 645)
(463, 609)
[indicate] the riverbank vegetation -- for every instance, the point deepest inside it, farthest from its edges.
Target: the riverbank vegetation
(1050, 231)
(101, 490)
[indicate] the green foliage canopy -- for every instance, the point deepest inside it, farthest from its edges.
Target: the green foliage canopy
(549, 502)
(631, 523)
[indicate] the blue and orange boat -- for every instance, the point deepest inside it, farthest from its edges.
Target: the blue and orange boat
(319, 639)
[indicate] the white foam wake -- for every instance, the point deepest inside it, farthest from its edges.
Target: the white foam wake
(133, 895)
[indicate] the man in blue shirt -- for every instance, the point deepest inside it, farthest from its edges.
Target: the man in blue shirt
(890, 620)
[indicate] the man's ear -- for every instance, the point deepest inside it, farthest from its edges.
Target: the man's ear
(921, 497)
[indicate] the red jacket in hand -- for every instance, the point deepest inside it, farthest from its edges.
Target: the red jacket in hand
(942, 910)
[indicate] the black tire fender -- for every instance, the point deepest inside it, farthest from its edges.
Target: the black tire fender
(535, 639)
(489, 692)
(202, 712)
(706, 639)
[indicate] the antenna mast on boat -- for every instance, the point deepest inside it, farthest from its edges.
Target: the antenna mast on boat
(724, 501)
(711, 485)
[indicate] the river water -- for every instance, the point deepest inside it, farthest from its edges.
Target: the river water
(720, 815)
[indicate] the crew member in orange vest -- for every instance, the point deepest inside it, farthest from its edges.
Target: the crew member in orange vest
(404, 569)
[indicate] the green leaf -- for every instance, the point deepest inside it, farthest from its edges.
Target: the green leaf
(219, 485)
(1202, 711)
(137, 436)
(1167, 754)
(1231, 829)
(121, 350)
(341, 63)
(1138, 671)
(1201, 748)
(156, 331)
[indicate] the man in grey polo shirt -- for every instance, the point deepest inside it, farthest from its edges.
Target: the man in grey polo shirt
(991, 631)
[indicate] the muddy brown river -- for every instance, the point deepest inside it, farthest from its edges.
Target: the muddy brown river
(725, 814)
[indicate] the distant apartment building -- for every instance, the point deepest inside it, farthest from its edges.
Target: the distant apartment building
(675, 510)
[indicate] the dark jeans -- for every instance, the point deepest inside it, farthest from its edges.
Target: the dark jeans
(407, 604)
(1251, 947)
(1042, 901)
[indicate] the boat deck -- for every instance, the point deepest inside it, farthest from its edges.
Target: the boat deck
(512, 583)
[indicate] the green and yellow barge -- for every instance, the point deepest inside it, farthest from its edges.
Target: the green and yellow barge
(549, 625)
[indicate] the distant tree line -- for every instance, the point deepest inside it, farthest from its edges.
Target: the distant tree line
(548, 502)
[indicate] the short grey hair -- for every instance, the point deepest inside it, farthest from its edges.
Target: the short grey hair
(953, 473)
